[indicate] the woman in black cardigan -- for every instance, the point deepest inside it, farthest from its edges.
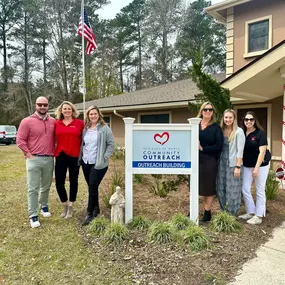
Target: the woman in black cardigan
(210, 146)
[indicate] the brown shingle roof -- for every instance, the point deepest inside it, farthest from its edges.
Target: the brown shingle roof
(171, 93)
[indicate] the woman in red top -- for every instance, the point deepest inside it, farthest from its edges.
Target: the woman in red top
(68, 133)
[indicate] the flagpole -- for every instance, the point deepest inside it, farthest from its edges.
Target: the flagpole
(83, 57)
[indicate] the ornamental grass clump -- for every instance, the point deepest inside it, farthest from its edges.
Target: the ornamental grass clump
(116, 234)
(98, 226)
(139, 223)
(162, 233)
(226, 223)
(272, 186)
(195, 238)
(181, 222)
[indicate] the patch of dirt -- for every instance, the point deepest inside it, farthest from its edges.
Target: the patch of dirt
(168, 264)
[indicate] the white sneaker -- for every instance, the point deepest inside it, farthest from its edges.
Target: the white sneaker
(45, 212)
(246, 216)
(255, 220)
(34, 222)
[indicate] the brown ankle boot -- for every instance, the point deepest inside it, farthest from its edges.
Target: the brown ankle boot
(69, 212)
(63, 214)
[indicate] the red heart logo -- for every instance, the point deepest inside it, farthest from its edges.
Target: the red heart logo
(161, 139)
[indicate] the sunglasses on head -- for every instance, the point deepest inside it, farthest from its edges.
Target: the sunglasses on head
(248, 119)
(42, 104)
(208, 109)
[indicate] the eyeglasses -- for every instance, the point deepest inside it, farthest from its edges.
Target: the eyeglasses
(42, 104)
(248, 119)
(208, 109)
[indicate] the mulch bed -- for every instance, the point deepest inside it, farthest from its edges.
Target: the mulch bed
(169, 264)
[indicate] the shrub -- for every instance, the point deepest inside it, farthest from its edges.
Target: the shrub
(272, 186)
(157, 188)
(164, 184)
(119, 153)
(116, 233)
(98, 226)
(138, 178)
(117, 179)
(183, 178)
(161, 233)
(195, 238)
(181, 222)
(139, 223)
(226, 223)
(215, 279)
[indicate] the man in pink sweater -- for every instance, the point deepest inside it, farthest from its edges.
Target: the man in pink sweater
(36, 139)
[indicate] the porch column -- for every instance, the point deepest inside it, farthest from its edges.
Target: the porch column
(282, 72)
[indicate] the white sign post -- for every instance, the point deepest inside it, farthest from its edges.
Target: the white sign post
(162, 149)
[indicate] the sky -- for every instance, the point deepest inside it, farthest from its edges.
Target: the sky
(112, 9)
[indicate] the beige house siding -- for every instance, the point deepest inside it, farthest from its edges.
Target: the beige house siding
(276, 126)
(255, 10)
(179, 115)
(230, 42)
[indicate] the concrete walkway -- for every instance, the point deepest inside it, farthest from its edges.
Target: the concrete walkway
(268, 268)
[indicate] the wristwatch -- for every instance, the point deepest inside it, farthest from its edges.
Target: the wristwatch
(238, 166)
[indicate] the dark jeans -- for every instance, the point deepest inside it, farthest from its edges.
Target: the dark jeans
(93, 178)
(62, 163)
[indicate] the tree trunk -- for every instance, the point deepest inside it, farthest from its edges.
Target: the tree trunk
(140, 57)
(44, 61)
(164, 58)
(5, 69)
(63, 61)
(26, 68)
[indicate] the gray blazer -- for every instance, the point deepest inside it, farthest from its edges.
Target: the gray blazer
(106, 146)
(236, 147)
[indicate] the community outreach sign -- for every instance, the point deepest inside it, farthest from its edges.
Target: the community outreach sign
(161, 149)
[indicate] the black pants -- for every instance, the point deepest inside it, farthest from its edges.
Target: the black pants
(62, 163)
(93, 178)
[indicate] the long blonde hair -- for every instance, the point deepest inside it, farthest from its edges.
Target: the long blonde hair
(58, 112)
(213, 119)
(87, 121)
(234, 125)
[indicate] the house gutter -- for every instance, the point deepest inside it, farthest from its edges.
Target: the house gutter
(119, 115)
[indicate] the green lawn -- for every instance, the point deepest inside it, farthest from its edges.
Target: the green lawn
(54, 253)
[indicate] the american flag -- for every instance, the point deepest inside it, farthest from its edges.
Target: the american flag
(88, 34)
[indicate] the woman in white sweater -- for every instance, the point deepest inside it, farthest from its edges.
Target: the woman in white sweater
(229, 178)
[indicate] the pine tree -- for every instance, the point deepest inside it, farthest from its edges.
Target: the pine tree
(212, 91)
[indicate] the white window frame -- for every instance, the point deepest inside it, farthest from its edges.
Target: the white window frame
(156, 113)
(269, 107)
(247, 23)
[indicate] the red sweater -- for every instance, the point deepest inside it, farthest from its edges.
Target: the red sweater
(36, 136)
(68, 138)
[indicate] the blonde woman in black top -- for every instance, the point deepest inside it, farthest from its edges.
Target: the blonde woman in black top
(210, 146)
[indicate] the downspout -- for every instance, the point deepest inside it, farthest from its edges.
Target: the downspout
(119, 115)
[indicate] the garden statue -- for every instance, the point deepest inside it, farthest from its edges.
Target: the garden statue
(117, 201)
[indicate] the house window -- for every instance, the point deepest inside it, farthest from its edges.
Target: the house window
(154, 118)
(107, 120)
(258, 36)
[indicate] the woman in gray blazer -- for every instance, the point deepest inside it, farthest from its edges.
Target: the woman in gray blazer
(229, 178)
(96, 148)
